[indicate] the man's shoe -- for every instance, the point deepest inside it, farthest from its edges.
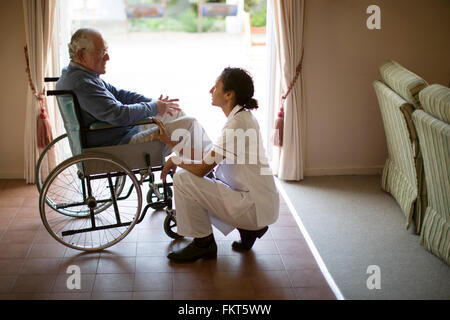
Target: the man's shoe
(248, 238)
(199, 248)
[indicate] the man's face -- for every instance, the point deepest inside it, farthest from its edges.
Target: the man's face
(95, 59)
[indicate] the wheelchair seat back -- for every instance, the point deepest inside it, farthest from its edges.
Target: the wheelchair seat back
(71, 124)
(135, 156)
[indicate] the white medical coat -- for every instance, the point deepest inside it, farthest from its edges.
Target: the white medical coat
(243, 194)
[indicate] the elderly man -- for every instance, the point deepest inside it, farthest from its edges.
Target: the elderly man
(100, 101)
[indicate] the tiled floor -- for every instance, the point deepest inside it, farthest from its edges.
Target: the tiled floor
(34, 266)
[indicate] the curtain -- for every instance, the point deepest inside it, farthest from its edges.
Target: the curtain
(39, 24)
(288, 17)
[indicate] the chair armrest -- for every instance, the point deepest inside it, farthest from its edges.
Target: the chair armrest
(103, 125)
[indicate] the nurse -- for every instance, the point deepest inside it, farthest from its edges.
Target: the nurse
(243, 195)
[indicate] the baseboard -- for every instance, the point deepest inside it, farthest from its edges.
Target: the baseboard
(9, 175)
(354, 171)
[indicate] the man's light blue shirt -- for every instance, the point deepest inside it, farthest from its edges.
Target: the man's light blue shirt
(100, 101)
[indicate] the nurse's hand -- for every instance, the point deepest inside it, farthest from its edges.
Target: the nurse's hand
(162, 136)
(166, 169)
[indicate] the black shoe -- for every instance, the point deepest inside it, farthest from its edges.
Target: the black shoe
(248, 238)
(200, 248)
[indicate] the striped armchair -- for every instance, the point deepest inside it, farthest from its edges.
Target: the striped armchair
(433, 128)
(402, 174)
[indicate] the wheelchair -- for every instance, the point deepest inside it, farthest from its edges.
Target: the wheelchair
(92, 198)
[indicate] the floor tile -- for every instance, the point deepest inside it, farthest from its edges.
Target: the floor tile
(196, 295)
(153, 295)
(6, 283)
(121, 249)
(34, 283)
(116, 264)
(112, 295)
(66, 283)
(265, 247)
(314, 293)
(14, 250)
(299, 261)
(270, 279)
(10, 266)
(25, 224)
(307, 278)
(286, 233)
(275, 294)
(11, 202)
(41, 266)
(192, 281)
(69, 296)
(28, 296)
(113, 282)
(88, 264)
(55, 250)
(17, 236)
(154, 249)
(235, 280)
(152, 264)
(151, 281)
(292, 247)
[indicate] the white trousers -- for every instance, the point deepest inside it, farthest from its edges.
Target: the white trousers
(203, 202)
(191, 132)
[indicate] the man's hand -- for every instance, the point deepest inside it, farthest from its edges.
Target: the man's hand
(166, 99)
(166, 105)
(166, 169)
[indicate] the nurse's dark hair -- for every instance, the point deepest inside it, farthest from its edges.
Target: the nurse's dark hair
(241, 82)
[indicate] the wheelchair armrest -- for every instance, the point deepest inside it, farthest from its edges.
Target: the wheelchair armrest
(103, 125)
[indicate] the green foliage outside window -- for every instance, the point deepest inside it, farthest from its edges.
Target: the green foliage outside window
(181, 15)
(185, 21)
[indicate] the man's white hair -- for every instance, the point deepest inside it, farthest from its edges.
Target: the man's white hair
(81, 39)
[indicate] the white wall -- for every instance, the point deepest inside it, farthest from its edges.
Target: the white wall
(345, 134)
(13, 85)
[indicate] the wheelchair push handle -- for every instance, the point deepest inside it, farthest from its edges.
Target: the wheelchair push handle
(51, 79)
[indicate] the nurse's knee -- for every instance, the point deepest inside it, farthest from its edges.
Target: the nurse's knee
(181, 177)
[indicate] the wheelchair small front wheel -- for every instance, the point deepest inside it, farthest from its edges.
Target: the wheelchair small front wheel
(170, 225)
(154, 197)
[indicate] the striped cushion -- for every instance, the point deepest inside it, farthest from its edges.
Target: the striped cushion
(403, 82)
(399, 173)
(434, 138)
(436, 101)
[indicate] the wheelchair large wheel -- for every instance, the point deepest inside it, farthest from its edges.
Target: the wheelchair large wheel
(69, 187)
(55, 153)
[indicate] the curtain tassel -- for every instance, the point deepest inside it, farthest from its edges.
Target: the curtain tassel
(44, 128)
(277, 134)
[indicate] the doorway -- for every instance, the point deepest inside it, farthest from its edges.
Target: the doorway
(164, 52)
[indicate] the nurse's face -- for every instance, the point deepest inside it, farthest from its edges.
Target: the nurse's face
(218, 96)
